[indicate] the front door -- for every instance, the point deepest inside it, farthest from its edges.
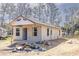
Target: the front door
(25, 33)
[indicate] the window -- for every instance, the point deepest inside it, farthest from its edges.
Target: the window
(35, 31)
(17, 32)
(24, 19)
(47, 31)
(18, 19)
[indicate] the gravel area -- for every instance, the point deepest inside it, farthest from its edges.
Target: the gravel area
(60, 47)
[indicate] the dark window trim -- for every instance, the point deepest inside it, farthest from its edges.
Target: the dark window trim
(47, 31)
(18, 19)
(17, 31)
(35, 31)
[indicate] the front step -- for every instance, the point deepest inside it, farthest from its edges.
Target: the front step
(22, 41)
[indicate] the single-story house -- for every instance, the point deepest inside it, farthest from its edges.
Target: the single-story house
(32, 30)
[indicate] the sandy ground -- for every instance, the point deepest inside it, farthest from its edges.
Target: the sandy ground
(59, 47)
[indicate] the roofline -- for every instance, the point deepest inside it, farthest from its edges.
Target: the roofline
(35, 22)
(20, 16)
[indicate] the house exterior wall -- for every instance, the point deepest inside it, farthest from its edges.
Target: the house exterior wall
(41, 30)
(44, 33)
(14, 33)
(41, 33)
(61, 33)
(30, 37)
(54, 35)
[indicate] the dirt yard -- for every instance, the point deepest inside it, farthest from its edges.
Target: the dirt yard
(60, 47)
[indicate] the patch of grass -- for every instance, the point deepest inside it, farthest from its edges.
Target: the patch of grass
(73, 36)
(7, 39)
(76, 36)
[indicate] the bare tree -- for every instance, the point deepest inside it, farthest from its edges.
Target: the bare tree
(3, 9)
(42, 11)
(71, 18)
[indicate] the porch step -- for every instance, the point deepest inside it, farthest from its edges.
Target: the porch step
(20, 41)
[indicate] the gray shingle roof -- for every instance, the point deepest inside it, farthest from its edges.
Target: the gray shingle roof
(34, 20)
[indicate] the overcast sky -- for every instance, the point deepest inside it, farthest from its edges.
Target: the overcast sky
(67, 5)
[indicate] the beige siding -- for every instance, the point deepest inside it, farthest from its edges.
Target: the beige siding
(14, 33)
(30, 36)
(41, 34)
(44, 33)
(60, 33)
(55, 33)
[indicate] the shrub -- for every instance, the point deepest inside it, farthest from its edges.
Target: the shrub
(76, 32)
(5, 38)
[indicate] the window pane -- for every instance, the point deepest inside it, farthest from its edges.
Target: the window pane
(18, 19)
(24, 19)
(35, 28)
(35, 31)
(17, 32)
(47, 31)
(17, 29)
